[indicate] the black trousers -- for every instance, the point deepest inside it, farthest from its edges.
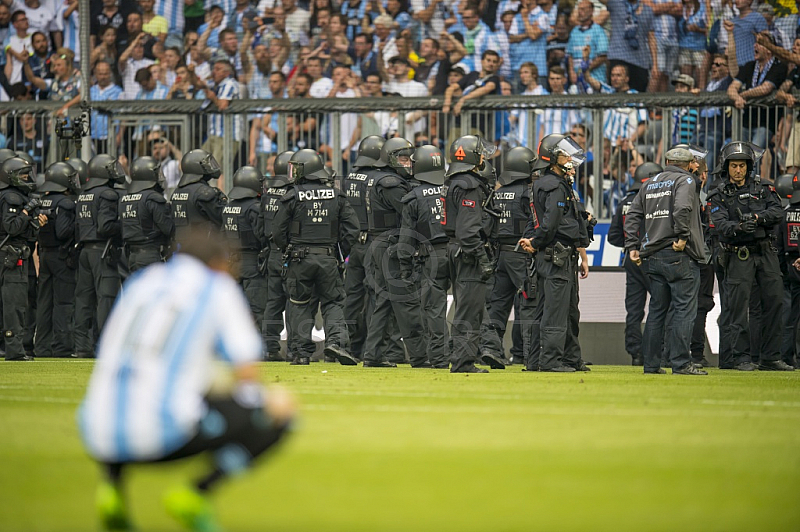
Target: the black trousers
(253, 283)
(764, 268)
(469, 298)
(30, 315)
(508, 280)
(560, 314)
(637, 285)
(705, 302)
(95, 292)
(530, 315)
(397, 296)
(55, 306)
(272, 323)
(355, 303)
(14, 289)
(435, 283)
(791, 321)
(315, 276)
(139, 258)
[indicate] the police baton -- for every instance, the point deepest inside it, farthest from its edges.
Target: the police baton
(106, 249)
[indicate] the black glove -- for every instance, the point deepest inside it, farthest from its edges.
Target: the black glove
(485, 266)
(32, 204)
(748, 226)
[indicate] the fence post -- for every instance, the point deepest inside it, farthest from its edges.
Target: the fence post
(598, 154)
(736, 123)
(336, 142)
(227, 151)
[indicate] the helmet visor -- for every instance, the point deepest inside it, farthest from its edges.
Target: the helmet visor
(486, 148)
(116, 172)
(295, 171)
(211, 166)
(570, 148)
(402, 158)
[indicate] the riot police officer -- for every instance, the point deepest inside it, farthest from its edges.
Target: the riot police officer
(195, 204)
(789, 258)
(18, 226)
(637, 285)
(393, 293)
(147, 225)
(241, 225)
(312, 219)
(58, 263)
(422, 245)
(744, 210)
(356, 186)
(557, 233)
(275, 188)
(512, 203)
(98, 233)
(465, 223)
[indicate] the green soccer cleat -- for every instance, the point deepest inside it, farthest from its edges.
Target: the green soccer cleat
(191, 509)
(111, 508)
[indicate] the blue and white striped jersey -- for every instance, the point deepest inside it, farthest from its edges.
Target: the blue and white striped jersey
(70, 27)
(228, 89)
(157, 358)
(99, 120)
(172, 10)
(621, 123)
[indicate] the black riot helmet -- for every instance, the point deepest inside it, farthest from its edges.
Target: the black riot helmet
(6, 154)
(554, 145)
(246, 183)
(518, 164)
(738, 151)
(82, 176)
(795, 189)
(784, 186)
(428, 164)
(17, 173)
(145, 173)
(396, 154)
(281, 166)
(25, 156)
(467, 153)
(198, 165)
(306, 165)
(644, 172)
(488, 174)
(59, 177)
(105, 169)
(369, 151)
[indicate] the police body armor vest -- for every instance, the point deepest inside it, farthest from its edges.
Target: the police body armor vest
(430, 208)
(382, 217)
(86, 214)
(47, 233)
(184, 206)
(316, 218)
(509, 201)
(17, 200)
(791, 222)
(569, 229)
(270, 204)
(137, 220)
(749, 198)
(236, 223)
(465, 180)
(356, 188)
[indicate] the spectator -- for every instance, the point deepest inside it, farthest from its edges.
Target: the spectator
(432, 71)
(297, 22)
(197, 62)
(665, 29)
(785, 95)
(381, 123)
(18, 47)
(184, 86)
(170, 61)
(264, 127)
(318, 35)
(715, 126)
(133, 28)
(302, 127)
(29, 139)
(65, 87)
(430, 16)
(6, 28)
(591, 35)
(168, 155)
(173, 12)
(344, 86)
(503, 44)
(401, 83)
(560, 119)
(39, 59)
(623, 124)
(104, 90)
(41, 17)
(755, 79)
(503, 7)
(153, 24)
(279, 55)
(225, 88)
(194, 13)
(477, 39)
(684, 119)
(768, 12)
(229, 50)
(624, 163)
(315, 6)
(557, 44)
(151, 87)
(528, 38)
(257, 79)
(719, 11)
(130, 62)
(692, 40)
(365, 59)
(109, 16)
(321, 85)
(209, 31)
(529, 76)
(474, 85)
(398, 10)
(355, 11)
(69, 23)
(243, 17)
(338, 45)
(743, 29)
(632, 43)
(384, 38)
(106, 50)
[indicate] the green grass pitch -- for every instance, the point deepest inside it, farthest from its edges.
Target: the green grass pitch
(424, 450)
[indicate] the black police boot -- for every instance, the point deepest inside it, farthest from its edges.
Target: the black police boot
(637, 360)
(421, 364)
(492, 360)
(659, 371)
(689, 369)
(379, 364)
(774, 365)
(25, 358)
(701, 362)
(469, 368)
(300, 361)
(343, 357)
(273, 357)
(581, 366)
(559, 369)
(745, 366)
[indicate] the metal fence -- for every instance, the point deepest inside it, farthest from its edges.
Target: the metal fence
(624, 129)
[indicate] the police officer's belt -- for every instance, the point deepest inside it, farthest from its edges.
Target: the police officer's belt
(317, 250)
(94, 245)
(744, 252)
(509, 247)
(139, 248)
(438, 245)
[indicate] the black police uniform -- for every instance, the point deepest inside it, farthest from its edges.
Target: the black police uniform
(705, 297)
(557, 229)
(57, 277)
(97, 229)
(788, 253)
(393, 295)
(310, 222)
(746, 256)
(637, 284)
(147, 227)
(240, 223)
(14, 264)
(196, 206)
(276, 295)
(423, 240)
(464, 223)
(512, 202)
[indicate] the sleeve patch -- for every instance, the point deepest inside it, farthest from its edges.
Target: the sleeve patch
(468, 203)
